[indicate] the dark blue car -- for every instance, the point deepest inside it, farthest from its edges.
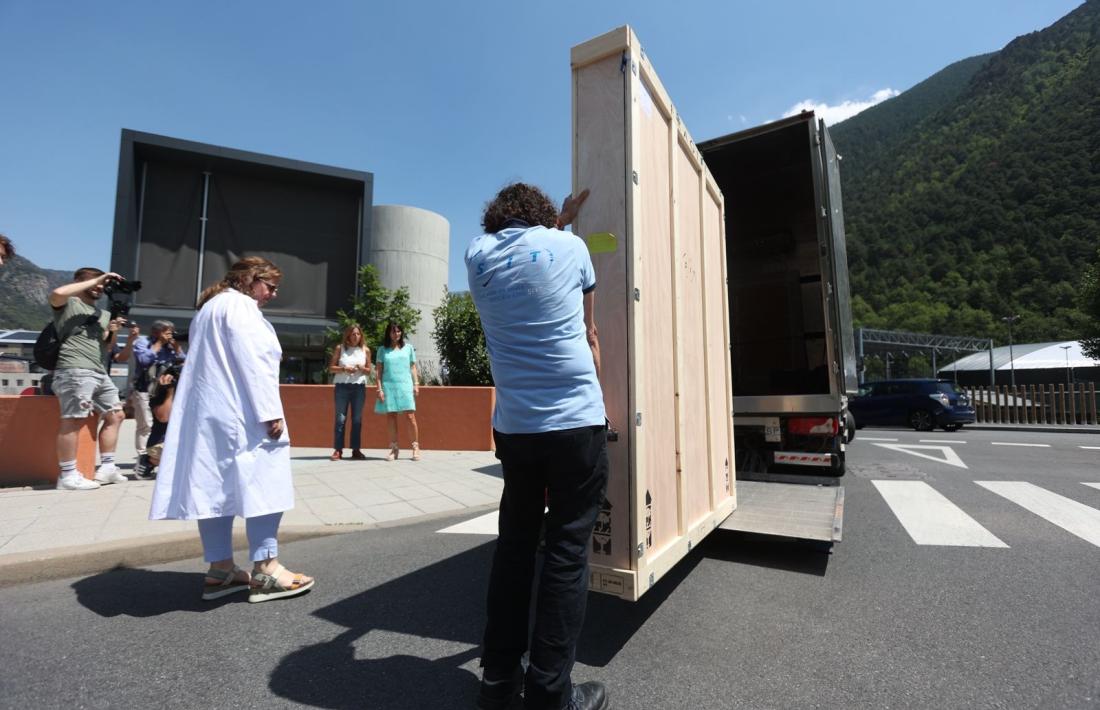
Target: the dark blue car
(921, 404)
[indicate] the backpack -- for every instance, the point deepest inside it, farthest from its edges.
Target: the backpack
(47, 348)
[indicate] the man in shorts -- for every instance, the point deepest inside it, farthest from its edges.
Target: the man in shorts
(80, 379)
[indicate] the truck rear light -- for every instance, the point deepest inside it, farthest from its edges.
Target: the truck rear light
(823, 426)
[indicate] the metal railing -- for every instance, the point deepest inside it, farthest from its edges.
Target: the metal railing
(1035, 404)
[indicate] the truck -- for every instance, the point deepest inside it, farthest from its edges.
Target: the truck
(791, 337)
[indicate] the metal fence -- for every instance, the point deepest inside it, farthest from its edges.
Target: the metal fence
(1035, 404)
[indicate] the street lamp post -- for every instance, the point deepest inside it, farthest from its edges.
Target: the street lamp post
(1069, 371)
(1011, 360)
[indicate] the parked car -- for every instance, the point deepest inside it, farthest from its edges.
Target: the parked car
(921, 404)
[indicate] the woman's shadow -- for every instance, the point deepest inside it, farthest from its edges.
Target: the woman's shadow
(144, 593)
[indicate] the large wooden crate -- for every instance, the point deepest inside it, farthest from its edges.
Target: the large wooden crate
(661, 311)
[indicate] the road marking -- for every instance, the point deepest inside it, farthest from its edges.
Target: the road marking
(931, 519)
(1093, 448)
(949, 456)
(1091, 485)
(871, 438)
(1012, 443)
(1068, 514)
(941, 441)
(481, 525)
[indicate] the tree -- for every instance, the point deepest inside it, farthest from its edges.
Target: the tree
(461, 341)
(1089, 299)
(375, 306)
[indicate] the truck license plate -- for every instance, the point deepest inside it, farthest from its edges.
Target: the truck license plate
(771, 430)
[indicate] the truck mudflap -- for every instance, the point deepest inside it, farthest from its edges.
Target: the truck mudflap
(788, 510)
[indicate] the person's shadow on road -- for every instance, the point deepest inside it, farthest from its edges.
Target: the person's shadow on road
(144, 593)
(437, 613)
(409, 642)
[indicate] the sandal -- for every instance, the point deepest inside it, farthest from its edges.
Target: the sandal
(416, 451)
(266, 587)
(394, 451)
(229, 583)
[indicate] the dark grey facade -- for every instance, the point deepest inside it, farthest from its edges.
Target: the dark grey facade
(185, 211)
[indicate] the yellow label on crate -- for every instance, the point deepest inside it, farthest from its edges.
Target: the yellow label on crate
(601, 243)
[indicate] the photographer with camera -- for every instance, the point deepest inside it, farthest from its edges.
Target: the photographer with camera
(152, 355)
(159, 400)
(80, 379)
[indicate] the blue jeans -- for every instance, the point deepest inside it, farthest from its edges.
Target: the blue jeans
(565, 471)
(217, 537)
(353, 395)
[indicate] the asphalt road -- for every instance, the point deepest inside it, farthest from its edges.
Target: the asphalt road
(743, 622)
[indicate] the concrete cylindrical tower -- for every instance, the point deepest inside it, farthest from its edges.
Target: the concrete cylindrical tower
(410, 247)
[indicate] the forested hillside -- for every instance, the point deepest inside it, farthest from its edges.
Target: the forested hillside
(976, 194)
(24, 289)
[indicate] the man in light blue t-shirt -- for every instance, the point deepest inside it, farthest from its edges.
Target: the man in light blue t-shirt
(534, 288)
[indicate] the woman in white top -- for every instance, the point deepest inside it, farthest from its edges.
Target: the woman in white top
(350, 364)
(227, 451)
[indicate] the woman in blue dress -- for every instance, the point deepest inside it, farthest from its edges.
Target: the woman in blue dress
(398, 386)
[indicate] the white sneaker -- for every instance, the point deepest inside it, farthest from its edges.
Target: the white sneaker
(76, 482)
(109, 473)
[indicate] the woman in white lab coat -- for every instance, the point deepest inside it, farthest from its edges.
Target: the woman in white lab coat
(227, 451)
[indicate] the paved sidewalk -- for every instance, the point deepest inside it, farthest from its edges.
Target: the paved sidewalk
(46, 533)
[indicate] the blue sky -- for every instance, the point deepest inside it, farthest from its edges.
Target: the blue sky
(444, 102)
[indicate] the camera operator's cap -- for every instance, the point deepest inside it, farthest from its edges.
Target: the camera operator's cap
(162, 325)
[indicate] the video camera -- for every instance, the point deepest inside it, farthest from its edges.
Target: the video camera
(120, 307)
(172, 369)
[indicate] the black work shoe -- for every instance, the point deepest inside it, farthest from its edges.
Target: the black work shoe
(500, 693)
(589, 696)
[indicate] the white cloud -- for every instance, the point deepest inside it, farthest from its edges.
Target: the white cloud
(847, 109)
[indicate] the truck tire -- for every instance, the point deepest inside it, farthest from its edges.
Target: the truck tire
(849, 427)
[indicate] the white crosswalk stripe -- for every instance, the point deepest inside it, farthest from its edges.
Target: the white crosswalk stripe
(481, 525)
(1068, 514)
(931, 519)
(1092, 485)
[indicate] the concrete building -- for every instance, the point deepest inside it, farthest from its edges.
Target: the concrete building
(409, 246)
(185, 211)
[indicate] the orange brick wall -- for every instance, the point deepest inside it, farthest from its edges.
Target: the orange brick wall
(450, 418)
(28, 441)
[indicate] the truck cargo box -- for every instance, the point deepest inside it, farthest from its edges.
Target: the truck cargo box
(790, 324)
(661, 311)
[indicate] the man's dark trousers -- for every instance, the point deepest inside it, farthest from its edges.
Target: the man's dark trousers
(565, 471)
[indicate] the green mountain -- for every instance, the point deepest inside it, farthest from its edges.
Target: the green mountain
(24, 289)
(976, 194)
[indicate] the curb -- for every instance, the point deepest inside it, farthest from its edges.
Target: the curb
(1079, 429)
(85, 560)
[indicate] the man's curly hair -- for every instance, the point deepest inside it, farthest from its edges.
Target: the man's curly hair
(519, 201)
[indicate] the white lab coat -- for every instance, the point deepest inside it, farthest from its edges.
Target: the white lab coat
(218, 459)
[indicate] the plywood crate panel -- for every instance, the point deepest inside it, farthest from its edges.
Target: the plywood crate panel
(661, 311)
